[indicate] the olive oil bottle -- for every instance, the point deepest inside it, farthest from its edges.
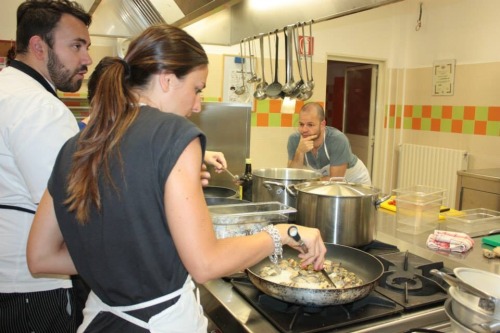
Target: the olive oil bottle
(246, 181)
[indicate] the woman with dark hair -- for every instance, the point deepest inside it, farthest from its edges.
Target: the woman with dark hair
(125, 208)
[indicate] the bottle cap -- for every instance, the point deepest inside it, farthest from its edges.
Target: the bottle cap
(248, 160)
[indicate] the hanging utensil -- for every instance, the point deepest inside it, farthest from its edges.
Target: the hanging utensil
(293, 232)
(289, 85)
(251, 48)
(241, 89)
(311, 82)
(274, 89)
(295, 40)
(260, 90)
(305, 88)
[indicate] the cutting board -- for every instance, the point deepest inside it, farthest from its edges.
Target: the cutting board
(390, 204)
(493, 240)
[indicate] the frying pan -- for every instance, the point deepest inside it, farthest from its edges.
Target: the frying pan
(364, 265)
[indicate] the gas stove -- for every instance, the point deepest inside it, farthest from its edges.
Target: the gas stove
(406, 286)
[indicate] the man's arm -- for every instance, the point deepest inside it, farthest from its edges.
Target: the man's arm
(305, 145)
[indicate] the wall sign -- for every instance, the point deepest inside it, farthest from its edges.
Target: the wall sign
(443, 77)
(306, 45)
(236, 88)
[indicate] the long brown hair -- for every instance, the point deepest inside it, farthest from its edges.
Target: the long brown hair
(114, 106)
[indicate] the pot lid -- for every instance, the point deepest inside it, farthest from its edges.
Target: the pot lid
(336, 189)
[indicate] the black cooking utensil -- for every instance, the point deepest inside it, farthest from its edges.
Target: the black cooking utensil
(274, 89)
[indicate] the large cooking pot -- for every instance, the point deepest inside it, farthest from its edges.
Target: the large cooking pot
(345, 213)
(364, 265)
(271, 184)
(219, 192)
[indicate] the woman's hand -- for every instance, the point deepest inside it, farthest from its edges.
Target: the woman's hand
(311, 238)
(216, 159)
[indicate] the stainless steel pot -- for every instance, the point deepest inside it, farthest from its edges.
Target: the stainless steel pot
(271, 184)
(345, 213)
(219, 192)
(364, 265)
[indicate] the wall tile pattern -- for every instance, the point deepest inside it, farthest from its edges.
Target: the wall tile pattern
(475, 120)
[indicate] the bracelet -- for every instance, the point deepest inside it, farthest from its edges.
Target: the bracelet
(278, 247)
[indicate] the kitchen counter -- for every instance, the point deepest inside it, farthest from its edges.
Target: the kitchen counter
(233, 314)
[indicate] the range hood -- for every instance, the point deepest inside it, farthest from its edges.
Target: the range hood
(127, 18)
(217, 22)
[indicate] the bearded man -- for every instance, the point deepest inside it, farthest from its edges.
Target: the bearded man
(52, 42)
(324, 148)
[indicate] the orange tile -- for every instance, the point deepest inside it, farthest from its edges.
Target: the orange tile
(286, 120)
(398, 122)
(456, 126)
(426, 111)
(386, 121)
(480, 127)
(469, 112)
(263, 119)
(408, 111)
(446, 112)
(436, 125)
(275, 105)
(392, 110)
(298, 106)
(494, 113)
(416, 123)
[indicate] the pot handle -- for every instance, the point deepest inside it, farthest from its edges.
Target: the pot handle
(290, 189)
(267, 184)
(380, 200)
(486, 302)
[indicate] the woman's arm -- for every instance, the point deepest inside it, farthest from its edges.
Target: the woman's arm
(204, 256)
(46, 251)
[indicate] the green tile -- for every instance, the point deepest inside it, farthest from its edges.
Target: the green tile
(436, 111)
(399, 110)
(457, 112)
(211, 99)
(254, 119)
(445, 126)
(274, 120)
(295, 120)
(407, 123)
(391, 122)
(425, 124)
(493, 128)
(263, 106)
(468, 127)
(482, 113)
(417, 111)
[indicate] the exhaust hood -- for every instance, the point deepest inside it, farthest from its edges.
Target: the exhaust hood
(217, 22)
(127, 18)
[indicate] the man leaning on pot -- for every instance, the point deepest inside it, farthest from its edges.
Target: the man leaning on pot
(52, 42)
(324, 148)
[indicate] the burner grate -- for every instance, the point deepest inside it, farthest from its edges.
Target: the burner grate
(293, 318)
(407, 280)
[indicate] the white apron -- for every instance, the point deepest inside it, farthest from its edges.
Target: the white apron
(186, 315)
(357, 174)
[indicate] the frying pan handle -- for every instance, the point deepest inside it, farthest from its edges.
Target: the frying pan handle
(486, 302)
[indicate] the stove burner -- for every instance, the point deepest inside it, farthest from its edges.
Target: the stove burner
(407, 280)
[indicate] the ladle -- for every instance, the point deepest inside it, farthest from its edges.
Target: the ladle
(289, 85)
(296, 91)
(311, 82)
(260, 90)
(241, 89)
(305, 88)
(274, 89)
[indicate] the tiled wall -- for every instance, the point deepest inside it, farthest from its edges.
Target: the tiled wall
(267, 113)
(476, 120)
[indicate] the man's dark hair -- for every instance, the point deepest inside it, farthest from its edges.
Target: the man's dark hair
(40, 17)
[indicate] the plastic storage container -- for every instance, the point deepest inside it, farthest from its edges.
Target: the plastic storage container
(418, 208)
(475, 222)
(248, 218)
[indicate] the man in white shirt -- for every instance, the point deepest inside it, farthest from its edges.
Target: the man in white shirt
(52, 53)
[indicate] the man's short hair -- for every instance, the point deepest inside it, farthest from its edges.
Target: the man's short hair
(316, 107)
(40, 17)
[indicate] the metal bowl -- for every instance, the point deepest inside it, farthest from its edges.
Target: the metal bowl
(456, 326)
(465, 309)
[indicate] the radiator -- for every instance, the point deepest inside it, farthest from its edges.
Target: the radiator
(431, 166)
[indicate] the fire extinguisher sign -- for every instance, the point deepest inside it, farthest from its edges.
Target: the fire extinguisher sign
(306, 44)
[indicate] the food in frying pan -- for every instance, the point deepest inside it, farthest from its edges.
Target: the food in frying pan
(289, 273)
